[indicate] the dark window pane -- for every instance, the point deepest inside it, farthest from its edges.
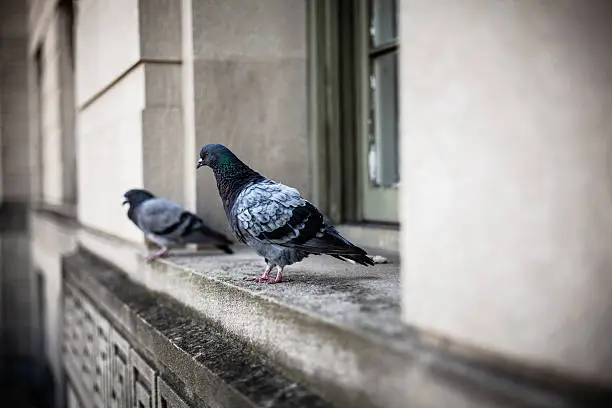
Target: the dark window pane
(384, 147)
(383, 27)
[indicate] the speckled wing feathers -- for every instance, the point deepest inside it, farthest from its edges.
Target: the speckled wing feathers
(159, 215)
(169, 221)
(264, 211)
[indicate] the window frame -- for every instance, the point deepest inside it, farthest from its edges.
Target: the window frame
(378, 204)
(339, 110)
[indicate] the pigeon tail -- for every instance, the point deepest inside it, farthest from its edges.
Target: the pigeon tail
(204, 235)
(334, 244)
(350, 251)
(197, 232)
(361, 259)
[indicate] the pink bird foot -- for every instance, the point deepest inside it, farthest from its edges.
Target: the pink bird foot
(263, 278)
(160, 254)
(279, 277)
(277, 280)
(258, 279)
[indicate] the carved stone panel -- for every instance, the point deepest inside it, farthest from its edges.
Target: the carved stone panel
(101, 366)
(69, 328)
(143, 385)
(167, 398)
(119, 385)
(73, 332)
(87, 346)
(72, 400)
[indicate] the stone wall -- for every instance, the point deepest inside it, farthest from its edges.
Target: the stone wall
(129, 123)
(508, 199)
(245, 86)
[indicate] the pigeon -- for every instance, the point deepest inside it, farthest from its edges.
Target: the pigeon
(167, 224)
(272, 218)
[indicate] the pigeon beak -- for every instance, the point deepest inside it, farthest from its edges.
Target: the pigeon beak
(200, 163)
(124, 202)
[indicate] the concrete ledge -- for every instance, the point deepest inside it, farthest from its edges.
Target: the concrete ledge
(62, 214)
(337, 328)
(202, 362)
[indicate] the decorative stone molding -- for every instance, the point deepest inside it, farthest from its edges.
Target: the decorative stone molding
(167, 398)
(143, 384)
(102, 363)
(119, 370)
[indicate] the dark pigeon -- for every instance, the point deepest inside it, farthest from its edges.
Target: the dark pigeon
(167, 224)
(272, 218)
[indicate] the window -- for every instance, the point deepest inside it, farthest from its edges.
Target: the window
(379, 193)
(354, 108)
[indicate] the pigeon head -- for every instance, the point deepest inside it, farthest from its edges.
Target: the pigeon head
(230, 172)
(215, 156)
(223, 162)
(136, 196)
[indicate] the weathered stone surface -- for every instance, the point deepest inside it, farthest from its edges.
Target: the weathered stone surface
(337, 326)
(205, 365)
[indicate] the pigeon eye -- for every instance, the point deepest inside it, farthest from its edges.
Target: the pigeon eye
(205, 154)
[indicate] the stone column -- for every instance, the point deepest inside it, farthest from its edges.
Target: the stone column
(129, 122)
(244, 80)
(507, 178)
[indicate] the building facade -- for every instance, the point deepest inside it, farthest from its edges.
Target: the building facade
(472, 139)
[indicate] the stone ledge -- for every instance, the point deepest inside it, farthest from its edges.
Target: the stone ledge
(62, 213)
(14, 215)
(337, 328)
(204, 364)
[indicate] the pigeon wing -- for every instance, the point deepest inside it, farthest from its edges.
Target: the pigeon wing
(276, 214)
(160, 216)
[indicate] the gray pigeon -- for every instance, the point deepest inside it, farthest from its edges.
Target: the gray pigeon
(273, 218)
(168, 224)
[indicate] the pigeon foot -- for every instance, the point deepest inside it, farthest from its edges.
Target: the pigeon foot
(258, 279)
(277, 280)
(263, 278)
(279, 277)
(160, 254)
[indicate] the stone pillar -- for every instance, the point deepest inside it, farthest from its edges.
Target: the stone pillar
(129, 121)
(507, 178)
(244, 76)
